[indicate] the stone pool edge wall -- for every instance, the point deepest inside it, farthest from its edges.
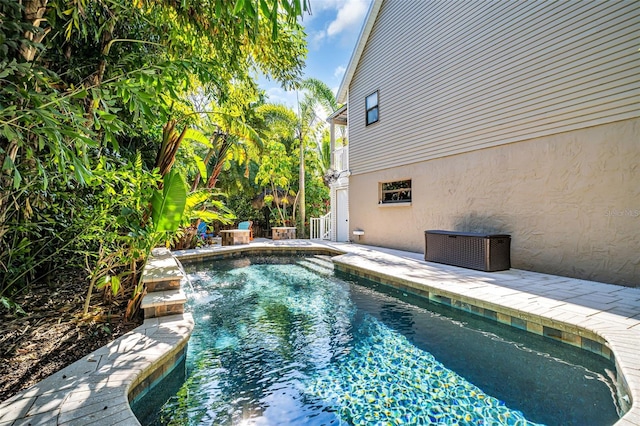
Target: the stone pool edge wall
(98, 388)
(562, 332)
(230, 252)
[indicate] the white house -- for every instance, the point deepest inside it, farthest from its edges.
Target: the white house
(518, 118)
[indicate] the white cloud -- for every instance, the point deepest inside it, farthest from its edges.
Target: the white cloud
(277, 95)
(274, 92)
(339, 71)
(315, 39)
(317, 9)
(350, 13)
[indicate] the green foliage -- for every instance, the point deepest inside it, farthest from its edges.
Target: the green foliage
(242, 206)
(85, 88)
(11, 306)
(317, 193)
(167, 205)
(203, 205)
(324, 151)
(313, 129)
(276, 172)
(108, 281)
(320, 94)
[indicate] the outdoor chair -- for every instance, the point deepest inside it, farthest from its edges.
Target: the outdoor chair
(202, 232)
(247, 224)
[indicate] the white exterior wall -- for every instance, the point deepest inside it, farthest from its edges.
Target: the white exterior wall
(456, 76)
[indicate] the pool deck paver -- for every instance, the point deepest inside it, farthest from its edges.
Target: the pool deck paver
(94, 390)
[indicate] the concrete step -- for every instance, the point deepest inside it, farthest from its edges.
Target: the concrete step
(322, 260)
(163, 303)
(162, 285)
(161, 272)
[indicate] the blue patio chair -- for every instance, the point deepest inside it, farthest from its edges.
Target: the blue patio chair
(247, 224)
(202, 231)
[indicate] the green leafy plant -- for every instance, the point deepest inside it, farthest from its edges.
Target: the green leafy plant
(86, 88)
(11, 306)
(168, 203)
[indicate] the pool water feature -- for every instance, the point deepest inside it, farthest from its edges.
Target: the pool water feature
(283, 341)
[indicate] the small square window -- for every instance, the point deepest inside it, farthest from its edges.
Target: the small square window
(371, 104)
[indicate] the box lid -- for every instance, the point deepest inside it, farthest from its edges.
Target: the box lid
(467, 234)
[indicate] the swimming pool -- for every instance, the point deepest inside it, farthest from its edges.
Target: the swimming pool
(278, 343)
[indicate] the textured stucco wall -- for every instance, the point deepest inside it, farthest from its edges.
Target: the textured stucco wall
(571, 202)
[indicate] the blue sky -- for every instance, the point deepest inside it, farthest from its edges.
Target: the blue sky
(332, 31)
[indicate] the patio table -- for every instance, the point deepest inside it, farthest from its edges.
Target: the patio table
(233, 237)
(283, 233)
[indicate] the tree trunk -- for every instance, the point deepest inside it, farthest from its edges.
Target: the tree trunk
(171, 141)
(34, 11)
(210, 154)
(217, 166)
(301, 200)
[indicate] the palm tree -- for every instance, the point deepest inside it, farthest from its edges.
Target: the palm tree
(318, 96)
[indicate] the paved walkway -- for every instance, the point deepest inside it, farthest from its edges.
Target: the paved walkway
(583, 312)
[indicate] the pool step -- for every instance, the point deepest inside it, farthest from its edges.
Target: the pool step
(163, 303)
(323, 260)
(161, 277)
(319, 264)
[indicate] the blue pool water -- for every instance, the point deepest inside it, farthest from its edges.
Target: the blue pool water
(277, 343)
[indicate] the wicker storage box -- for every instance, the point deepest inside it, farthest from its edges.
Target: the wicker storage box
(469, 250)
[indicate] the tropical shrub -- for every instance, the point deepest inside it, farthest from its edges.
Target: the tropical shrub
(87, 88)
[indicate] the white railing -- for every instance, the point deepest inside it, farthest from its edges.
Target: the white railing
(321, 227)
(341, 159)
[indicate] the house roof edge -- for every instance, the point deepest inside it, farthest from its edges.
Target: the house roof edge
(357, 51)
(337, 112)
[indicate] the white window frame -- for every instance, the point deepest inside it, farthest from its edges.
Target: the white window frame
(394, 196)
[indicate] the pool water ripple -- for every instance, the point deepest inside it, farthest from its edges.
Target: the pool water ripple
(386, 378)
(277, 344)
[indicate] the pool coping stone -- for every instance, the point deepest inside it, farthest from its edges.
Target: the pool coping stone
(95, 389)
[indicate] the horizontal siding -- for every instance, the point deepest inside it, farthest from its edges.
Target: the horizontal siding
(458, 76)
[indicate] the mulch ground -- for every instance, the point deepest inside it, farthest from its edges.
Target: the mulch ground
(53, 333)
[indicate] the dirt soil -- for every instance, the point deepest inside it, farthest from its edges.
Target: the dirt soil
(53, 333)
